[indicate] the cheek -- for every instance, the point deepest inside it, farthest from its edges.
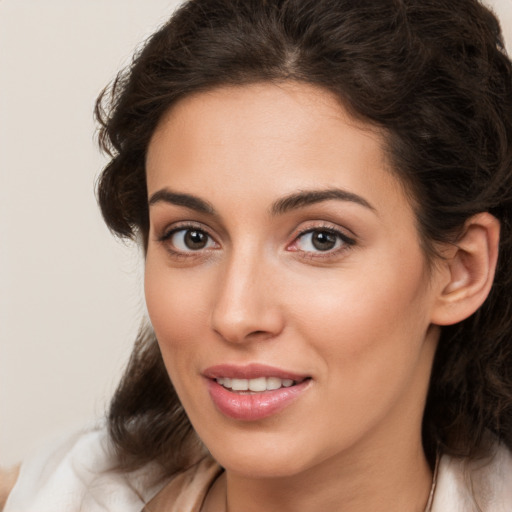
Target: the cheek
(370, 323)
(175, 302)
(175, 308)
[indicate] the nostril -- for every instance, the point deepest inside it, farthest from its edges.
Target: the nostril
(258, 333)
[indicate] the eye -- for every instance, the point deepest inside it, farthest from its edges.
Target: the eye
(189, 239)
(321, 240)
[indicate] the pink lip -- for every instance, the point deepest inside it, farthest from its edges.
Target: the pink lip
(250, 371)
(248, 406)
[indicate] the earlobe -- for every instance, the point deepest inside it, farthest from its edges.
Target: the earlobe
(469, 267)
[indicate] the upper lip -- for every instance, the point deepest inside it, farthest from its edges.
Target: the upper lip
(250, 371)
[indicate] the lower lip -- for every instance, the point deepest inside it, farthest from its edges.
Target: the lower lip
(248, 406)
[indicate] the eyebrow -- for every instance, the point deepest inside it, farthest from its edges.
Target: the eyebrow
(288, 203)
(179, 199)
(309, 197)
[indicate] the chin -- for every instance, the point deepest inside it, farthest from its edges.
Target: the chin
(262, 467)
(257, 457)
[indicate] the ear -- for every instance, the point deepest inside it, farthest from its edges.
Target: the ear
(467, 272)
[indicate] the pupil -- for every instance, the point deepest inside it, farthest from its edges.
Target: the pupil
(195, 239)
(323, 240)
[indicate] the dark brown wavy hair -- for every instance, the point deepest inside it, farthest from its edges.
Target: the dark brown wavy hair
(433, 75)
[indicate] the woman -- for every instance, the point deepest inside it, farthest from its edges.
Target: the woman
(323, 193)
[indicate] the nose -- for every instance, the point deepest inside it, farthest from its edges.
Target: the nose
(246, 305)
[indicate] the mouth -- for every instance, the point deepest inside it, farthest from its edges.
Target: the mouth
(254, 392)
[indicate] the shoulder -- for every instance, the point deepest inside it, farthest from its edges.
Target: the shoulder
(475, 485)
(80, 474)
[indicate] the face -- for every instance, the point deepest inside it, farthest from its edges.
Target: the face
(285, 280)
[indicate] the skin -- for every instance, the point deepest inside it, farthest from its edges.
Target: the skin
(358, 319)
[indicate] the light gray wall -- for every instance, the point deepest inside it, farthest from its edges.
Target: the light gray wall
(70, 296)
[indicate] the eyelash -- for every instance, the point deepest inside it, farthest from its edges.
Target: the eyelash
(346, 241)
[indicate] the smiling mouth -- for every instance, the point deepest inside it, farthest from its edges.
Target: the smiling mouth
(254, 392)
(257, 385)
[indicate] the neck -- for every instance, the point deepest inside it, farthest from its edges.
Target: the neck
(350, 486)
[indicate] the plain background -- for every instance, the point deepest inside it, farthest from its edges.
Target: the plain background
(70, 295)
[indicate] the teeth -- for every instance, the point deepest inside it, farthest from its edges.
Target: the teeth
(274, 383)
(239, 384)
(255, 385)
(258, 384)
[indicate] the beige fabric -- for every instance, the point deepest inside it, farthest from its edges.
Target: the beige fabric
(478, 486)
(79, 474)
(8, 478)
(187, 491)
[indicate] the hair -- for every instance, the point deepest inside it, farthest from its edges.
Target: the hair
(433, 75)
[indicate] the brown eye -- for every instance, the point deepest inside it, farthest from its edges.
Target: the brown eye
(195, 239)
(322, 240)
(190, 239)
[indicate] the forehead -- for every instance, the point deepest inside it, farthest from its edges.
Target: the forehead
(296, 135)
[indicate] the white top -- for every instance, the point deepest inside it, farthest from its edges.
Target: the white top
(79, 475)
